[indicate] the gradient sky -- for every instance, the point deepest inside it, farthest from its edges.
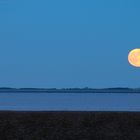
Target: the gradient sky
(68, 43)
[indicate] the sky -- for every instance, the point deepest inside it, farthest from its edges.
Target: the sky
(68, 43)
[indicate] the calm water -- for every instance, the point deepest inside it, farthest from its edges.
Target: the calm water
(70, 101)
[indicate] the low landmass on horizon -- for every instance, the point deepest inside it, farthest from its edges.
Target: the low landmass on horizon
(72, 90)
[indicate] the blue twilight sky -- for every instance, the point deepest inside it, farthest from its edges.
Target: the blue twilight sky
(68, 43)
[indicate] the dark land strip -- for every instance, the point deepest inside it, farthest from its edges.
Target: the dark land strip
(69, 125)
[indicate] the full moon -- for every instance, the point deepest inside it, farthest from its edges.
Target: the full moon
(134, 57)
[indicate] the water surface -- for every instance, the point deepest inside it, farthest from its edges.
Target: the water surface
(70, 101)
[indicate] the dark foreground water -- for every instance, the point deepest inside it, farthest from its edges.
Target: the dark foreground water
(70, 101)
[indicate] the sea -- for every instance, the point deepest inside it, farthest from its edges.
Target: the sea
(70, 101)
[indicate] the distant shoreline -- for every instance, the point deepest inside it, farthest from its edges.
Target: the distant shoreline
(69, 90)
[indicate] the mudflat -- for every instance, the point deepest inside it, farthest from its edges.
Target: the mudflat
(16, 125)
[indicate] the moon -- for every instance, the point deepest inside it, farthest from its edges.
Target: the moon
(134, 57)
